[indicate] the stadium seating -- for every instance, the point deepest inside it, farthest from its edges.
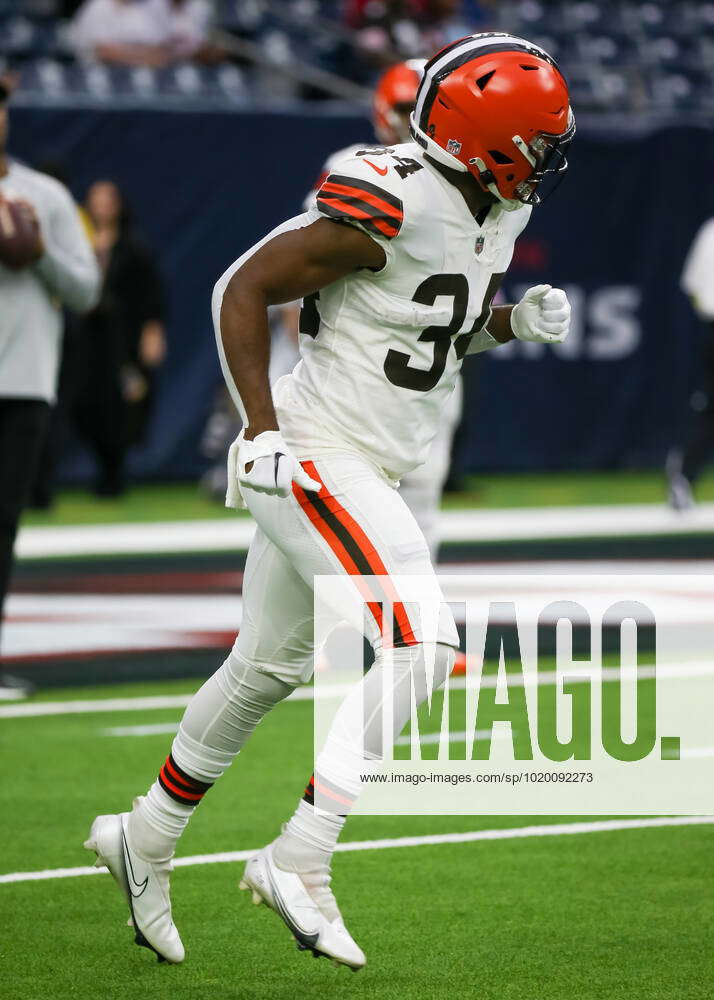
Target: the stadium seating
(646, 56)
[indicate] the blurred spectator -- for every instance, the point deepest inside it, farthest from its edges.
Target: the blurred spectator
(143, 32)
(57, 267)
(684, 467)
(390, 30)
(43, 490)
(121, 343)
(190, 21)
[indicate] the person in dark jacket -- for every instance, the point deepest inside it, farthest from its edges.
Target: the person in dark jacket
(121, 343)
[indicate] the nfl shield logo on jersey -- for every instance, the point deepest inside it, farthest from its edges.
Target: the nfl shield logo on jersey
(479, 244)
(453, 146)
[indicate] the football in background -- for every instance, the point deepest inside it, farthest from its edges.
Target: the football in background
(20, 240)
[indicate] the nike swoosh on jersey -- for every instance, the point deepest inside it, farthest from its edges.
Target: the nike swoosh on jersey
(382, 171)
(356, 200)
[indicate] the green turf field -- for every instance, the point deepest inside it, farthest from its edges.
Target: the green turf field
(626, 914)
(182, 501)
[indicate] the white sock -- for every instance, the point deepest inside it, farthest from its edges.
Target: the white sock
(217, 722)
(353, 749)
(156, 822)
(308, 838)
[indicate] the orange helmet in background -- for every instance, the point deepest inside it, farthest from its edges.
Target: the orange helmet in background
(497, 106)
(394, 98)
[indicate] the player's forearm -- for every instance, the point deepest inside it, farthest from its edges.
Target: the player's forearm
(499, 324)
(496, 331)
(245, 336)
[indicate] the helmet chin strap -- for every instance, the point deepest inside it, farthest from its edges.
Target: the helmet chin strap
(507, 204)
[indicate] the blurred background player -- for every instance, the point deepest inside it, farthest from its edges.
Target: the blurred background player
(684, 466)
(54, 267)
(422, 488)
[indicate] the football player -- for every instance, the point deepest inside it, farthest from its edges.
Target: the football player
(397, 264)
(421, 488)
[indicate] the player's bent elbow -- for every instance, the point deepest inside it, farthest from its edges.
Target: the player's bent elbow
(224, 288)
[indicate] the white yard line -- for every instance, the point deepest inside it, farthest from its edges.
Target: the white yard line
(427, 840)
(40, 708)
(455, 737)
(221, 535)
(404, 741)
(143, 704)
(156, 730)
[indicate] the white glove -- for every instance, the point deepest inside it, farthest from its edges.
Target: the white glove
(542, 315)
(274, 467)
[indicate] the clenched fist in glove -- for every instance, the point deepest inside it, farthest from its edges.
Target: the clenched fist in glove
(542, 315)
(265, 465)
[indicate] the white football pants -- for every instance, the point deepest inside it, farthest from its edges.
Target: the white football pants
(357, 525)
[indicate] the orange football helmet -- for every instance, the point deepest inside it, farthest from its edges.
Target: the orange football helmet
(394, 99)
(497, 106)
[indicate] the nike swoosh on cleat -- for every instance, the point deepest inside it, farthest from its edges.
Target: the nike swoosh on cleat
(301, 936)
(131, 878)
(382, 171)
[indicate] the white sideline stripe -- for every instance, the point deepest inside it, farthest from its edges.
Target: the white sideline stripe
(646, 671)
(12, 694)
(107, 539)
(507, 524)
(143, 704)
(427, 840)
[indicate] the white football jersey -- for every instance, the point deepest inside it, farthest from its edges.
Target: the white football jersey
(381, 350)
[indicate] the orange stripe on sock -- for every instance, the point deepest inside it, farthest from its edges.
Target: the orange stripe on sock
(323, 790)
(191, 796)
(180, 780)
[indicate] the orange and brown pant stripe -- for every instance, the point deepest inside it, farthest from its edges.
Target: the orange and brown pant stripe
(357, 555)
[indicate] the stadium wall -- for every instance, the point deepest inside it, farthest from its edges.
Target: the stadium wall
(206, 185)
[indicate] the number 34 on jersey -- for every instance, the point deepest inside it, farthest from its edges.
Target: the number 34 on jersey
(382, 349)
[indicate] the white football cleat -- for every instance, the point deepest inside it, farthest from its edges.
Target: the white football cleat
(145, 885)
(306, 905)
